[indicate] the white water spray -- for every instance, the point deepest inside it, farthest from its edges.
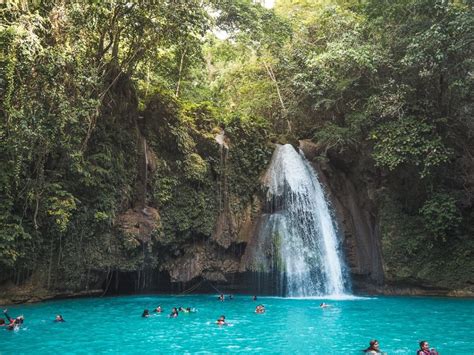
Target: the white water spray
(300, 229)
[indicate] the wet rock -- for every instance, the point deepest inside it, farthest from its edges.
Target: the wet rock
(201, 260)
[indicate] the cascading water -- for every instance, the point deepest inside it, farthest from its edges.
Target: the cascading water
(298, 239)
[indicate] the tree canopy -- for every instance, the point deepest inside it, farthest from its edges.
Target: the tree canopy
(387, 80)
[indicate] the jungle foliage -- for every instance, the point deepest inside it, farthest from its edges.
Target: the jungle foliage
(82, 82)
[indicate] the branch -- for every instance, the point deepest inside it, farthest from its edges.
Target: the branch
(271, 74)
(180, 70)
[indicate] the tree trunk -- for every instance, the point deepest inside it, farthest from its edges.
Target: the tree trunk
(180, 71)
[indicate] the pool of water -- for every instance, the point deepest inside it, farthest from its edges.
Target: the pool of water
(289, 326)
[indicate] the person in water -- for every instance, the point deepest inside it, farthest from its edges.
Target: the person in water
(323, 305)
(14, 322)
(221, 297)
(254, 298)
(174, 313)
(158, 309)
(13, 325)
(145, 313)
(260, 309)
(425, 349)
(59, 318)
(221, 320)
(373, 347)
(231, 297)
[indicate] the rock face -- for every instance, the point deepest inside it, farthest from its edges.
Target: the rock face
(140, 223)
(356, 212)
(213, 257)
(202, 260)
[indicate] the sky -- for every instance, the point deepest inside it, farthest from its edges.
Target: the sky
(223, 34)
(269, 3)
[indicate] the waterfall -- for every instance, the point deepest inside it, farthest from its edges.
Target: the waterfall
(298, 238)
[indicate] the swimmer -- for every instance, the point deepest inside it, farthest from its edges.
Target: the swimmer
(221, 320)
(254, 298)
(59, 318)
(158, 309)
(18, 320)
(14, 325)
(174, 313)
(373, 347)
(260, 309)
(231, 297)
(145, 313)
(14, 322)
(324, 305)
(221, 297)
(425, 349)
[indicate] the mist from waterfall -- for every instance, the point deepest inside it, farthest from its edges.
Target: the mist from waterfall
(298, 238)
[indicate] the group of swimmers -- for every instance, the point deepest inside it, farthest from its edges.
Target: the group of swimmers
(15, 323)
(222, 297)
(174, 311)
(374, 348)
(221, 320)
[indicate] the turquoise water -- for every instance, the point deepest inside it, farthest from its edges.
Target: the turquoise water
(289, 326)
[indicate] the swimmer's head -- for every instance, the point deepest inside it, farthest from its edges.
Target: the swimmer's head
(424, 345)
(374, 344)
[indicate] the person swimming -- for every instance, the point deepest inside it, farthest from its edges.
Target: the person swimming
(145, 313)
(221, 320)
(425, 349)
(254, 298)
(221, 297)
(158, 309)
(324, 305)
(260, 309)
(373, 347)
(59, 318)
(174, 313)
(14, 322)
(13, 325)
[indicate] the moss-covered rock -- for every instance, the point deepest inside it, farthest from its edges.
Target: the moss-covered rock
(414, 257)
